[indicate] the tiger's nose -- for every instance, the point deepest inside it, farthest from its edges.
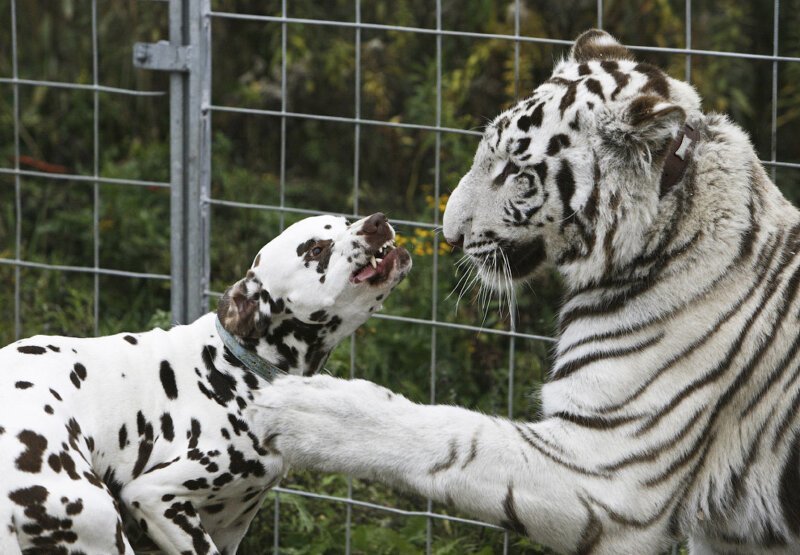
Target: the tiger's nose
(377, 224)
(457, 242)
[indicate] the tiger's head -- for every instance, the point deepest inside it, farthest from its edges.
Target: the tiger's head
(571, 175)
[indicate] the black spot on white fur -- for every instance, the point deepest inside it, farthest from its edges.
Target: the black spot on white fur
(78, 374)
(31, 350)
(167, 375)
(31, 459)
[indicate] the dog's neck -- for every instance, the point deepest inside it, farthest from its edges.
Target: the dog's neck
(250, 360)
(292, 345)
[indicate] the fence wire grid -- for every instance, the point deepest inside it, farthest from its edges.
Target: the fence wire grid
(191, 97)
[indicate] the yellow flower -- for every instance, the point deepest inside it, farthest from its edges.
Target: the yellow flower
(443, 202)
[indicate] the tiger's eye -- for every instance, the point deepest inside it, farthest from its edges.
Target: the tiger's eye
(510, 169)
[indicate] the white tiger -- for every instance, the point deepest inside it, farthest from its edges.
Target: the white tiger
(671, 409)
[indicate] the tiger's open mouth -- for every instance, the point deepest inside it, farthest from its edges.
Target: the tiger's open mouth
(380, 264)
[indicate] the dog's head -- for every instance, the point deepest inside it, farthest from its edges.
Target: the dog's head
(321, 271)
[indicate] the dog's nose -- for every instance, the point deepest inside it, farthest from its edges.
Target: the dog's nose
(377, 224)
(458, 242)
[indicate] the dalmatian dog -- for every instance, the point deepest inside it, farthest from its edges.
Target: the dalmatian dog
(155, 430)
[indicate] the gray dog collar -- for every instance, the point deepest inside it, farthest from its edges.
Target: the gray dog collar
(251, 361)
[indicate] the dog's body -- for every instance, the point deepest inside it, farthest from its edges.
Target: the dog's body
(94, 417)
(154, 426)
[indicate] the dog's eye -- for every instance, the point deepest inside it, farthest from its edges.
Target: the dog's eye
(316, 251)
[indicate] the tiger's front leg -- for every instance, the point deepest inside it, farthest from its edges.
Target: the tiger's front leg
(500, 471)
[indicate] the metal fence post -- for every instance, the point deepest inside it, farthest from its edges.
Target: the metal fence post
(198, 162)
(187, 56)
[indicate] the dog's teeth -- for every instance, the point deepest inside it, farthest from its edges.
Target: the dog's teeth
(373, 261)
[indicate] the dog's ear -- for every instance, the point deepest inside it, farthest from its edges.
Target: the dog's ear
(240, 311)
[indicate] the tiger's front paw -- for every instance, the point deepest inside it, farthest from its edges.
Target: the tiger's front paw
(321, 395)
(309, 419)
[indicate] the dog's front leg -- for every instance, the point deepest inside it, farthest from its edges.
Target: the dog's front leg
(165, 510)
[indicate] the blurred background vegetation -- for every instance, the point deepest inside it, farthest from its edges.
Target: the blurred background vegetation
(397, 175)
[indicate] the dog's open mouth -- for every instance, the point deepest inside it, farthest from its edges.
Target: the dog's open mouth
(380, 264)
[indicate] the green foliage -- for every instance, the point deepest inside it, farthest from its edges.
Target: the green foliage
(396, 174)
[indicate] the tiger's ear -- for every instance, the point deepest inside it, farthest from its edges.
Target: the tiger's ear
(595, 44)
(646, 120)
(239, 308)
(652, 119)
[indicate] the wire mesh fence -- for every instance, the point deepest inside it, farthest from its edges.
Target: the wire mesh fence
(248, 144)
(28, 166)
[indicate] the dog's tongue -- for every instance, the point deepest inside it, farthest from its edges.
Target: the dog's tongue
(365, 274)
